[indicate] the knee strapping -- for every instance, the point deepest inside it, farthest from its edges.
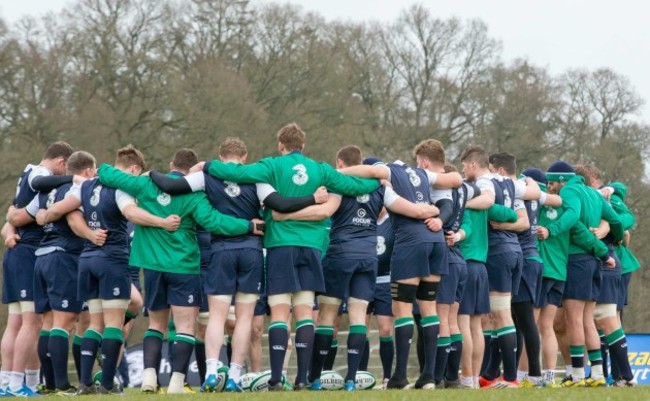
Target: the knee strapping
(303, 298)
(325, 300)
(427, 291)
(603, 311)
(499, 302)
(95, 306)
(246, 298)
(279, 299)
(353, 300)
(14, 308)
(403, 292)
(27, 306)
(203, 318)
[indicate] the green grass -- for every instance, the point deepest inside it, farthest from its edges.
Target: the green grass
(594, 394)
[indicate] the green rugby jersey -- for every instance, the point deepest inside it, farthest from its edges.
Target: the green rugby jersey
(586, 205)
(475, 245)
(157, 249)
(629, 262)
(292, 175)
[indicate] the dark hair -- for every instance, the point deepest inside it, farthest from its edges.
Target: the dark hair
(184, 159)
(350, 155)
(292, 137)
(475, 153)
(58, 149)
(505, 160)
(79, 161)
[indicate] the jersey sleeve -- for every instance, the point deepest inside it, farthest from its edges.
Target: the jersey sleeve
(264, 190)
(472, 190)
(347, 185)
(390, 196)
(519, 204)
(33, 207)
(520, 188)
(123, 200)
(243, 174)
(440, 194)
(585, 239)
(218, 223)
(502, 214)
(112, 177)
(37, 171)
(485, 184)
(431, 176)
(196, 181)
(571, 214)
(75, 190)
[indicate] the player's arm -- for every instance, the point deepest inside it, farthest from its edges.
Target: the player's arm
(380, 172)
(602, 230)
(112, 177)
(399, 205)
(20, 217)
(527, 189)
(585, 239)
(193, 182)
(10, 235)
(615, 223)
(219, 223)
(133, 213)
(521, 224)
(501, 214)
(46, 183)
(444, 180)
(624, 213)
(272, 199)
(61, 208)
(312, 213)
(244, 174)
(80, 228)
(570, 216)
(551, 200)
(464, 231)
(347, 185)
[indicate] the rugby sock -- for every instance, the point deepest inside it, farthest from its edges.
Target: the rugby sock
(58, 348)
(152, 349)
(508, 346)
(618, 352)
(356, 344)
(278, 340)
(487, 337)
(331, 355)
(32, 377)
(577, 353)
(16, 380)
(430, 329)
(403, 335)
(365, 356)
(442, 356)
(199, 355)
(44, 357)
(386, 354)
(111, 345)
(128, 316)
(455, 354)
(89, 346)
(528, 333)
(604, 352)
(234, 372)
(211, 366)
(182, 352)
(596, 361)
(76, 354)
(549, 376)
(419, 342)
(322, 346)
(304, 345)
(4, 379)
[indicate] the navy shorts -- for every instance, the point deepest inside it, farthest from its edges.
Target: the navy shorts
(262, 307)
(582, 278)
(476, 297)
(421, 260)
(134, 273)
(530, 283)
(448, 285)
(456, 258)
(164, 289)
(291, 269)
(551, 292)
(504, 271)
(610, 286)
(382, 303)
(55, 283)
(622, 294)
(104, 278)
(204, 306)
(234, 270)
(346, 278)
(18, 274)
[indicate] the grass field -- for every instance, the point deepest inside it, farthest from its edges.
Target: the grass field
(593, 394)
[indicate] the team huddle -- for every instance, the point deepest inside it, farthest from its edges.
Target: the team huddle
(496, 272)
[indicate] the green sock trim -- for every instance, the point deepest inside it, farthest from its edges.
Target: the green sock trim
(506, 330)
(59, 333)
(44, 333)
(278, 325)
(615, 336)
(335, 343)
(77, 339)
(456, 338)
(130, 315)
(432, 320)
(487, 333)
(303, 323)
(358, 329)
(600, 333)
(386, 339)
(444, 341)
(153, 333)
(199, 342)
(228, 340)
(595, 355)
(113, 333)
(93, 334)
(186, 338)
(325, 330)
(576, 351)
(404, 321)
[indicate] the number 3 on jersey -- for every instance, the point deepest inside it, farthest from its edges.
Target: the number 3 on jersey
(301, 177)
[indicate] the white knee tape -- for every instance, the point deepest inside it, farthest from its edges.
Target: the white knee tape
(353, 300)
(115, 303)
(95, 306)
(27, 306)
(227, 299)
(603, 311)
(231, 313)
(499, 302)
(303, 298)
(246, 298)
(14, 308)
(323, 299)
(279, 299)
(203, 318)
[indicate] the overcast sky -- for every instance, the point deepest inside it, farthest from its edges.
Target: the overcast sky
(557, 34)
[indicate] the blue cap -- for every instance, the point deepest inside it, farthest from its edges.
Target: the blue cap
(560, 171)
(371, 161)
(536, 174)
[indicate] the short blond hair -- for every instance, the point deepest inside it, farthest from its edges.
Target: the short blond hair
(233, 147)
(431, 149)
